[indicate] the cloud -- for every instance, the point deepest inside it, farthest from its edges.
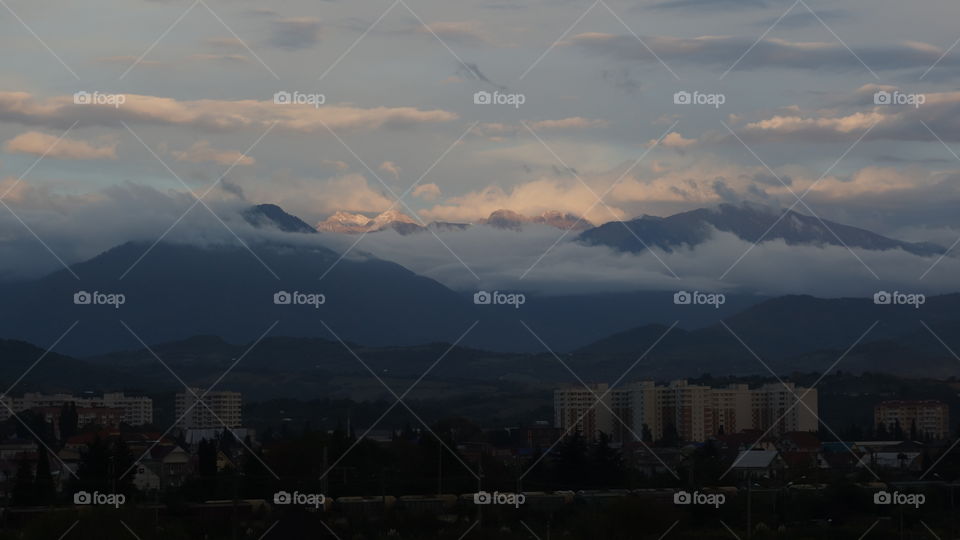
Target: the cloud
(501, 257)
(225, 42)
(213, 115)
(710, 4)
(295, 33)
(674, 140)
(427, 192)
(573, 122)
(42, 144)
(201, 151)
(391, 168)
(336, 164)
(225, 58)
(462, 32)
(719, 52)
(890, 122)
(314, 199)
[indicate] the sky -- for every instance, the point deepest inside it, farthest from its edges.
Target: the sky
(587, 113)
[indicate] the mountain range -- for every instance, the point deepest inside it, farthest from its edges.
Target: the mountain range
(794, 334)
(354, 223)
(748, 222)
(181, 290)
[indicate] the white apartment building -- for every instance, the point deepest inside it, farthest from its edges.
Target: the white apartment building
(695, 412)
(219, 409)
(137, 410)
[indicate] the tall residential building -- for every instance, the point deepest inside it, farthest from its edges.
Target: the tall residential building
(577, 410)
(928, 418)
(778, 403)
(219, 409)
(692, 412)
(137, 410)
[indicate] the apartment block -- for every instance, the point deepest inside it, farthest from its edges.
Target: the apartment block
(136, 410)
(928, 418)
(218, 409)
(691, 412)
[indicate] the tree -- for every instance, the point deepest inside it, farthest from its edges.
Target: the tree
(22, 493)
(571, 465)
(207, 458)
(646, 434)
(44, 488)
(670, 435)
(68, 421)
(606, 465)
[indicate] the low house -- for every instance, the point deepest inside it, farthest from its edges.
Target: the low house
(758, 464)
